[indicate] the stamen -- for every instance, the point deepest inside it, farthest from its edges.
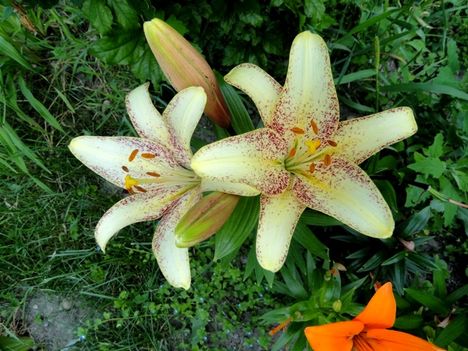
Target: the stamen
(148, 155)
(130, 182)
(314, 126)
(312, 167)
(125, 168)
(297, 130)
(132, 155)
(292, 152)
(332, 143)
(327, 160)
(139, 188)
(280, 326)
(312, 145)
(153, 174)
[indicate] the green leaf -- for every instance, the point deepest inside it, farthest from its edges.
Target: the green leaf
(351, 77)
(311, 217)
(429, 166)
(237, 228)
(146, 68)
(452, 55)
(436, 150)
(38, 106)
(126, 15)
(240, 118)
(458, 294)
(408, 322)
(304, 236)
(6, 48)
(417, 222)
(375, 261)
(98, 14)
(452, 331)
(119, 48)
(415, 195)
(433, 303)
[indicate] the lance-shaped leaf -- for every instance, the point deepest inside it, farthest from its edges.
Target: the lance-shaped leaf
(184, 66)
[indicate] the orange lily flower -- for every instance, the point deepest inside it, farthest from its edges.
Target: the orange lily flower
(368, 331)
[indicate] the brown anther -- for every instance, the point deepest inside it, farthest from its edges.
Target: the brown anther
(314, 126)
(332, 143)
(148, 155)
(153, 174)
(139, 188)
(327, 160)
(125, 168)
(297, 130)
(292, 152)
(312, 167)
(132, 155)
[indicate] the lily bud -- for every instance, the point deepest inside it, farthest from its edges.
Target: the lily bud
(184, 66)
(205, 218)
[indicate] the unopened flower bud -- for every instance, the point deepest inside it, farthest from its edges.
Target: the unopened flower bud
(205, 218)
(184, 66)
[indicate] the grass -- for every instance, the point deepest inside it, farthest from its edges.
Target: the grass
(53, 89)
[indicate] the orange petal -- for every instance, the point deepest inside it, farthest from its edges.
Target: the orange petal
(334, 336)
(380, 312)
(398, 341)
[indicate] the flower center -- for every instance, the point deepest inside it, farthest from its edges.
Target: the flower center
(360, 343)
(157, 173)
(307, 152)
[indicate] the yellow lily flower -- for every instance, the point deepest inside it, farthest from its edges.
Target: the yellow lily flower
(155, 170)
(304, 157)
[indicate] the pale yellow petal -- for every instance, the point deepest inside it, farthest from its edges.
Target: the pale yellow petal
(359, 138)
(254, 159)
(147, 121)
(308, 93)
(230, 188)
(182, 115)
(113, 158)
(172, 260)
(278, 218)
(344, 191)
(262, 88)
(133, 209)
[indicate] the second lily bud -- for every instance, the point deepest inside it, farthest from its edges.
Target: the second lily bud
(205, 218)
(184, 66)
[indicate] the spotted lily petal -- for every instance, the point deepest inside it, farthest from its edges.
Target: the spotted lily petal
(253, 158)
(182, 115)
(262, 88)
(278, 218)
(147, 121)
(112, 157)
(334, 336)
(174, 261)
(134, 209)
(360, 138)
(380, 312)
(344, 191)
(308, 93)
(383, 339)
